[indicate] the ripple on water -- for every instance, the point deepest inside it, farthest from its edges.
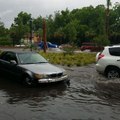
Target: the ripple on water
(89, 97)
(108, 90)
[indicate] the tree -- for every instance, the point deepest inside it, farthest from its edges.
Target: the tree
(101, 40)
(79, 25)
(115, 24)
(4, 35)
(2, 29)
(70, 32)
(37, 23)
(21, 27)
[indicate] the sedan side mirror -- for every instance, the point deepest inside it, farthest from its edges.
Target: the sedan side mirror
(13, 62)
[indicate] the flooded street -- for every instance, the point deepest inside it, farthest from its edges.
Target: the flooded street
(89, 97)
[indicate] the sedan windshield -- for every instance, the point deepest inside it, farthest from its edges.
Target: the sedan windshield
(31, 58)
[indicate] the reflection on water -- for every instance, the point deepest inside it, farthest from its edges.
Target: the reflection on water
(17, 92)
(89, 97)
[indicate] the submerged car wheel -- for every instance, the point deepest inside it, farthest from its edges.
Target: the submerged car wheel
(28, 81)
(67, 82)
(113, 73)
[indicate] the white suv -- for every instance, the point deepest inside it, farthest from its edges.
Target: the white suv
(108, 61)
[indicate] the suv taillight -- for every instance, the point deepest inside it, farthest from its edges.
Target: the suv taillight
(100, 56)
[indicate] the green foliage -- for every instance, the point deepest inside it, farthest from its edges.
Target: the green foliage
(22, 18)
(21, 27)
(79, 25)
(69, 50)
(70, 59)
(5, 41)
(4, 35)
(70, 32)
(37, 25)
(101, 40)
(74, 27)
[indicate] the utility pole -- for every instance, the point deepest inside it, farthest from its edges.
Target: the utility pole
(44, 35)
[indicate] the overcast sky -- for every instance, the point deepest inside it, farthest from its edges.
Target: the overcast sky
(9, 9)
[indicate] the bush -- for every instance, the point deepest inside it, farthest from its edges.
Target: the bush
(101, 40)
(79, 59)
(5, 41)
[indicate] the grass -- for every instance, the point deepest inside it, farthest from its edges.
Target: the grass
(79, 59)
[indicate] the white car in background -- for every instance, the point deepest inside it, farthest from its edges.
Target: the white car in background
(108, 61)
(22, 45)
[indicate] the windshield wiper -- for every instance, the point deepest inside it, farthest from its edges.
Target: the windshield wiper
(28, 63)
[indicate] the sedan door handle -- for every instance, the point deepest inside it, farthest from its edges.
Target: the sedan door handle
(118, 60)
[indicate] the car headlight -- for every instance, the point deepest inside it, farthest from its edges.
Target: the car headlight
(40, 76)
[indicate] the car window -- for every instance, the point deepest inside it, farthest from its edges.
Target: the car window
(2, 55)
(27, 58)
(115, 51)
(9, 56)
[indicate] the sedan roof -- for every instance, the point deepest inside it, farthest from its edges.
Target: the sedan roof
(19, 51)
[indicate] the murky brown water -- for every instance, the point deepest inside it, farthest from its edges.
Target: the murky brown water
(89, 97)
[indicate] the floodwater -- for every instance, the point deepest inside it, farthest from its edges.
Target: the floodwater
(89, 96)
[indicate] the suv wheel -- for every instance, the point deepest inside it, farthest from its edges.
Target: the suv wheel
(112, 73)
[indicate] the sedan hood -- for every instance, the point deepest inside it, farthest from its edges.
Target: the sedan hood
(43, 68)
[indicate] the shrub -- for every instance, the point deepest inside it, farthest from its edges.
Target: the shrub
(78, 59)
(5, 41)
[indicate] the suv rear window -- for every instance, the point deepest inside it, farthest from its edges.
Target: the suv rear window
(115, 51)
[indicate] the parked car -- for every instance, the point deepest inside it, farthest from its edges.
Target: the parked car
(22, 45)
(64, 46)
(49, 45)
(30, 68)
(55, 50)
(91, 47)
(108, 61)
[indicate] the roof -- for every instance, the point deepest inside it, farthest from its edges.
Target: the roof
(111, 46)
(18, 51)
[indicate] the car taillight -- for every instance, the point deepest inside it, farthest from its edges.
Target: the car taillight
(100, 56)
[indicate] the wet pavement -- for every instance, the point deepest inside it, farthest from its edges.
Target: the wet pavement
(89, 96)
